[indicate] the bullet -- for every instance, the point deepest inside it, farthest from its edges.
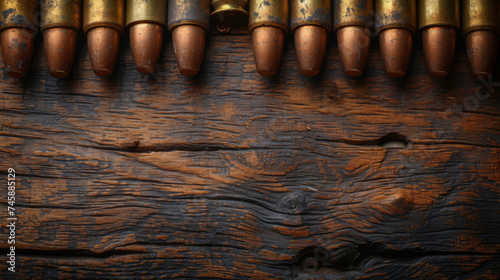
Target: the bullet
(269, 25)
(146, 20)
(103, 23)
(17, 34)
(352, 22)
(395, 23)
(60, 22)
(311, 22)
(189, 22)
(480, 28)
(230, 15)
(439, 20)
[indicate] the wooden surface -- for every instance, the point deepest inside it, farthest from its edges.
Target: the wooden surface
(230, 175)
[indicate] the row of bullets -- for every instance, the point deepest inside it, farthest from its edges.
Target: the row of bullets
(311, 21)
(103, 22)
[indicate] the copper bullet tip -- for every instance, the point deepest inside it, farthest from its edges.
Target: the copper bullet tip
(395, 47)
(310, 46)
(482, 51)
(60, 47)
(439, 49)
(103, 44)
(17, 50)
(189, 47)
(354, 48)
(146, 41)
(267, 45)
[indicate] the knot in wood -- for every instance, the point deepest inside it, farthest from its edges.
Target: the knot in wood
(401, 202)
(293, 203)
(310, 264)
(395, 203)
(310, 260)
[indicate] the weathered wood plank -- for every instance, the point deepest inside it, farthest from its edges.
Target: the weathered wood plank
(231, 175)
(266, 178)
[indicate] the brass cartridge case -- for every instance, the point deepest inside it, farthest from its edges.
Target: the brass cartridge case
(230, 14)
(274, 13)
(61, 13)
(195, 12)
(147, 11)
(223, 7)
(103, 13)
(396, 14)
(439, 13)
(19, 13)
(352, 13)
(480, 15)
(311, 12)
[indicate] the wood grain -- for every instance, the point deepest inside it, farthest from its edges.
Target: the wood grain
(229, 175)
